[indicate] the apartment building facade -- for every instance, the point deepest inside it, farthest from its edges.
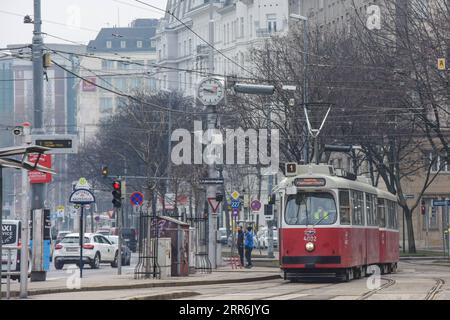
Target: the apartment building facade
(121, 59)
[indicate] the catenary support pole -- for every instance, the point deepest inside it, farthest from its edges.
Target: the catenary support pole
(38, 190)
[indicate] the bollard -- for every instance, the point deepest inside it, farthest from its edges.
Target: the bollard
(8, 275)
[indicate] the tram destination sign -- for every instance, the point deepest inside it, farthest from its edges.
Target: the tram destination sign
(58, 143)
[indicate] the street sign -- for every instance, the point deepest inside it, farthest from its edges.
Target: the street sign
(136, 198)
(82, 197)
(235, 195)
(58, 143)
(441, 203)
(82, 184)
(213, 204)
(211, 181)
(235, 212)
(235, 204)
(442, 64)
(255, 205)
(409, 196)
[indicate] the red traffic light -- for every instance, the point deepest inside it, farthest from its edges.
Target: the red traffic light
(423, 210)
(116, 185)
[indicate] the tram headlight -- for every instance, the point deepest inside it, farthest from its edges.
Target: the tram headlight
(309, 247)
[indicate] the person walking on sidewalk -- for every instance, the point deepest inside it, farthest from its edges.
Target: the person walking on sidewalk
(249, 247)
(240, 244)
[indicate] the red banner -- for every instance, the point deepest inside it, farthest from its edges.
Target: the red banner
(36, 176)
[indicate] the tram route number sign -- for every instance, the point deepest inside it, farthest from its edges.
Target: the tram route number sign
(235, 204)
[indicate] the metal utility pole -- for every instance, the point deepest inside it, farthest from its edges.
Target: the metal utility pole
(269, 189)
(38, 190)
(1, 228)
(212, 173)
(305, 80)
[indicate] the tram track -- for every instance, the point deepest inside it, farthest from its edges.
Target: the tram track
(389, 283)
(435, 290)
(299, 291)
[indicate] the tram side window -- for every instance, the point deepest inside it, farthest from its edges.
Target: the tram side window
(358, 208)
(370, 210)
(344, 206)
(392, 215)
(381, 213)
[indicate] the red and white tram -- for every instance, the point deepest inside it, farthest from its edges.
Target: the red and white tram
(334, 225)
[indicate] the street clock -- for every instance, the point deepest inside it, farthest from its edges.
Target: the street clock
(211, 91)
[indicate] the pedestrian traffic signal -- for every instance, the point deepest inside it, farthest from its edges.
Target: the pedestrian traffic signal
(422, 208)
(117, 194)
(105, 171)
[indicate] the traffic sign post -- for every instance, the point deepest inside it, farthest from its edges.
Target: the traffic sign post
(214, 204)
(136, 199)
(255, 205)
(235, 204)
(445, 223)
(211, 181)
(82, 196)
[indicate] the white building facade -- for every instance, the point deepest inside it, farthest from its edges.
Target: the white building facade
(239, 26)
(119, 59)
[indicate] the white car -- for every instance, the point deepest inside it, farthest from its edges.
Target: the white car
(96, 249)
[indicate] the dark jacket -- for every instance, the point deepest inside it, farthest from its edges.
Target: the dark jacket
(240, 239)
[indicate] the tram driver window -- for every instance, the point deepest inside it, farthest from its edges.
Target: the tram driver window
(310, 209)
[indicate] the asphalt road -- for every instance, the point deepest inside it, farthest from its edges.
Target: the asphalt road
(414, 280)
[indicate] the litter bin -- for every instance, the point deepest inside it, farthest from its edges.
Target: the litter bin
(178, 232)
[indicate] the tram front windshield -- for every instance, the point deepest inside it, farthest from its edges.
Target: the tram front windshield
(316, 208)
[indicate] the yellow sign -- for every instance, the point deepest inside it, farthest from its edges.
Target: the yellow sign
(442, 64)
(235, 195)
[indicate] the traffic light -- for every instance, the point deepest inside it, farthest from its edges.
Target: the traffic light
(219, 197)
(272, 199)
(105, 171)
(117, 194)
(422, 208)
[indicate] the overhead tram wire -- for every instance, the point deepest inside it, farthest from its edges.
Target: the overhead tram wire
(127, 95)
(199, 36)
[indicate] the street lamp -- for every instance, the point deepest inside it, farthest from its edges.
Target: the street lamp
(305, 78)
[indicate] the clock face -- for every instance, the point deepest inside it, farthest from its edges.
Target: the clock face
(211, 92)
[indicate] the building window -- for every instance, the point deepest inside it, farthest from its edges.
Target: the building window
(109, 44)
(242, 27)
(107, 65)
(106, 105)
(190, 46)
(139, 44)
(271, 23)
(121, 84)
(439, 163)
(430, 220)
(123, 44)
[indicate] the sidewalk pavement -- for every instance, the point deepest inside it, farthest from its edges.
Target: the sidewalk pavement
(102, 282)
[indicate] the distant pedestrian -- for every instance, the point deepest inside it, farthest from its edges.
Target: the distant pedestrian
(249, 244)
(240, 244)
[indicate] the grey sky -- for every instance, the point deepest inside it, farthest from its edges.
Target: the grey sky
(90, 15)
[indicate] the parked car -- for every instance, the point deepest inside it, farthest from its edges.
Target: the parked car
(96, 249)
(126, 252)
(129, 237)
(223, 236)
(104, 231)
(264, 238)
(61, 235)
